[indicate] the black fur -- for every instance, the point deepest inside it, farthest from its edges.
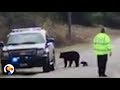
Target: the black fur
(70, 56)
(84, 63)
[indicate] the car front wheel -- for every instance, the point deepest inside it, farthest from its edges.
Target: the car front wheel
(46, 65)
(2, 70)
(52, 66)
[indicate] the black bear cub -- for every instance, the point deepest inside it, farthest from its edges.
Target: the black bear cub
(84, 63)
(70, 56)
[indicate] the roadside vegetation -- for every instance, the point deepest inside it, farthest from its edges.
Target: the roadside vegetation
(84, 24)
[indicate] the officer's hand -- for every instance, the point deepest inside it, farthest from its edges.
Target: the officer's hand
(110, 54)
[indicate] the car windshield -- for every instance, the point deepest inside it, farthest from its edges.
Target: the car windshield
(29, 38)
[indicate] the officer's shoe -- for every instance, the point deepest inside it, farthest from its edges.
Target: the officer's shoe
(103, 75)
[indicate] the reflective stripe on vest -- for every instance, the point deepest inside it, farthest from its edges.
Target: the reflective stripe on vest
(100, 50)
(101, 43)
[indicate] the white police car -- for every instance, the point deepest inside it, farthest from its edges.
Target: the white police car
(29, 47)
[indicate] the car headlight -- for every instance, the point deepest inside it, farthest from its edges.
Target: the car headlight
(41, 52)
(5, 54)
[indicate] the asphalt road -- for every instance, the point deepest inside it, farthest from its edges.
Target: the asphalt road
(87, 54)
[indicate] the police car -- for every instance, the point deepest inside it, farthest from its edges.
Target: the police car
(29, 47)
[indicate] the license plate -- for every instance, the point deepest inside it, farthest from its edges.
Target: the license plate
(22, 53)
(23, 64)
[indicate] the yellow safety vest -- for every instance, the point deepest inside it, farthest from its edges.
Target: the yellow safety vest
(102, 44)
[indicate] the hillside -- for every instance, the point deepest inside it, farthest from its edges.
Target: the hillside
(83, 24)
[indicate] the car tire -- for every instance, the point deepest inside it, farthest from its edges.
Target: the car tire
(52, 67)
(46, 65)
(2, 70)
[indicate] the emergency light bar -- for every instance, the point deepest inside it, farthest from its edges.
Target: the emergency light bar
(26, 29)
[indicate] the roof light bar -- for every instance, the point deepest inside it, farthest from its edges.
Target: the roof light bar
(26, 29)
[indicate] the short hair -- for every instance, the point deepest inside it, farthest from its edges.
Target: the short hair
(103, 30)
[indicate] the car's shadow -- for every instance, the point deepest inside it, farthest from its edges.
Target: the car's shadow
(27, 73)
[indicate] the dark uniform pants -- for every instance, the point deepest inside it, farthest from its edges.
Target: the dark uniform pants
(102, 60)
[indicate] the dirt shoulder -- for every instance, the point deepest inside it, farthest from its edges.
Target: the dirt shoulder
(81, 35)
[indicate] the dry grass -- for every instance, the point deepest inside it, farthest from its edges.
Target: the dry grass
(87, 33)
(80, 34)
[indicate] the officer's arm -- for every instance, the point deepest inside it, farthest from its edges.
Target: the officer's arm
(109, 45)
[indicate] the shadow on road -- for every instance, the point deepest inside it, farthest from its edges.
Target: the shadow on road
(27, 73)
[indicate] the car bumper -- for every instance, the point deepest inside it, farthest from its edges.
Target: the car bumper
(35, 61)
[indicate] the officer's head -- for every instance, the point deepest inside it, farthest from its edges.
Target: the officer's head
(103, 30)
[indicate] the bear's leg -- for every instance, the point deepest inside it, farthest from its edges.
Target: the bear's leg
(86, 64)
(70, 63)
(65, 63)
(77, 63)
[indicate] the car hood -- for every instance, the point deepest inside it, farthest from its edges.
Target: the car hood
(25, 46)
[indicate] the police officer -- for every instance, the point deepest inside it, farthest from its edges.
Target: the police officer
(102, 47)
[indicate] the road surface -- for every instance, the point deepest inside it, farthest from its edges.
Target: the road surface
(87, 54)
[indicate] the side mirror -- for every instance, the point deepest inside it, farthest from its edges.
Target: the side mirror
(1, 44)
(50, 40)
